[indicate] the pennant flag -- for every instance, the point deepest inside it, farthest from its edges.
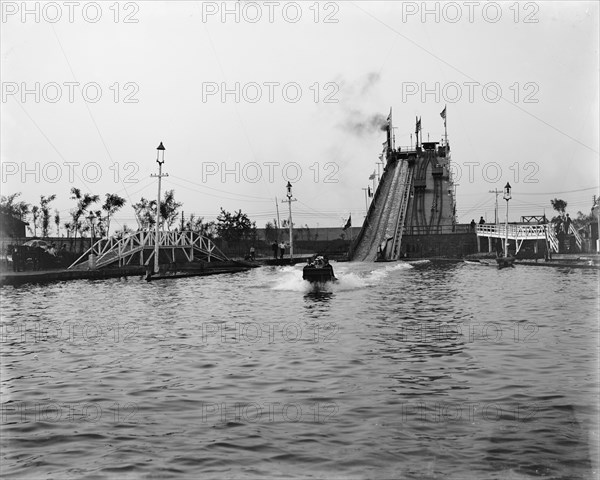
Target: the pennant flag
(372, 176)
(348, 222)
(443, 113)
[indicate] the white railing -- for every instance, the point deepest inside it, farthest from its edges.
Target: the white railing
(407, 186)
(574, 231)
(553, 240)
(123, 249)
(520, 233)
(515, 231)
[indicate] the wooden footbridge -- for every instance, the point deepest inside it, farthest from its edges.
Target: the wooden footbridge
(138, 249)
(521, 232)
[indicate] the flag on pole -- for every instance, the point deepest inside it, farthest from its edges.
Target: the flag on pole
(348, 222)
(372, 176)
(418, 126)
(443, 113)
(370, 192)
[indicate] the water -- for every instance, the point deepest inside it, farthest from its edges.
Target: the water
(425, 371)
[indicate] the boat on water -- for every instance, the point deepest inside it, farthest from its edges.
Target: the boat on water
(504, 262)
(318, 270)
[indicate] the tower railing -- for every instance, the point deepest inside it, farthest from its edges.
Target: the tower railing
(407, 180)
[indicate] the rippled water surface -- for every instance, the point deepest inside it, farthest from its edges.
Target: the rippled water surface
(397, 371)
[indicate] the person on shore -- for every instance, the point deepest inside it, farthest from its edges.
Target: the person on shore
(252, 253)
(37, 257)
(275, 248)
(281, 250)
(16, 258)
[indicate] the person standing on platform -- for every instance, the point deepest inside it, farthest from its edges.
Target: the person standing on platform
(274, 247)
(281, 250)
(567, 224)
(473, 225)
(481, 221)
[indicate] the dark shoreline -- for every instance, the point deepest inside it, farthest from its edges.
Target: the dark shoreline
(59, 275)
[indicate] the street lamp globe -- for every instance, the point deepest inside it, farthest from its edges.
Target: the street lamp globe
(507, 189)
(160, 154)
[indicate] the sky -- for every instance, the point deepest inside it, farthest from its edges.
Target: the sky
(246, 96)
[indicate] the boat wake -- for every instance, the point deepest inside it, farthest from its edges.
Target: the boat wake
(349, 277)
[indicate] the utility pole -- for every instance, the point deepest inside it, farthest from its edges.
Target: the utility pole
(597, 207)
(497, 192)
(289, 202)
(160, 153)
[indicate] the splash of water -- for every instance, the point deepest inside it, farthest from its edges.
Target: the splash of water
(290, 278)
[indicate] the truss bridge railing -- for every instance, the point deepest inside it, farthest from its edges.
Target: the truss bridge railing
(140, 247)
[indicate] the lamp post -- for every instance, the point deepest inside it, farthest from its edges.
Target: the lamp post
(92, 258)
(507, 197)
(289, 201)
(160, 159)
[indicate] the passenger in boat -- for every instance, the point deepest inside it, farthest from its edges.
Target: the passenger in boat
(327, 265)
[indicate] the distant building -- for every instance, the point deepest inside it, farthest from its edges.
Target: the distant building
(12, 227)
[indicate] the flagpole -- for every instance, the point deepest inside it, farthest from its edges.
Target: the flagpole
(392, 139)
(445, 127)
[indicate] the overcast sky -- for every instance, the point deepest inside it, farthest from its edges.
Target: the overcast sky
(248, 95)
